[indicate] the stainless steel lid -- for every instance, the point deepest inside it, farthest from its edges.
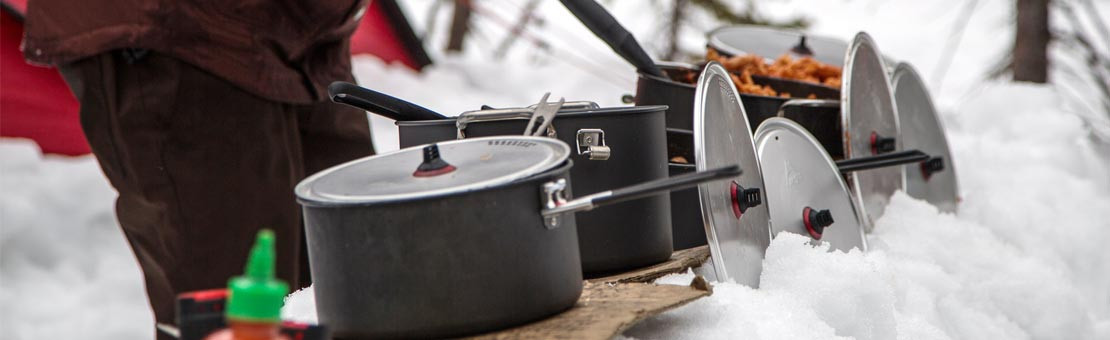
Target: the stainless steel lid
(773, 42)
(867, 111)
(922, 130)
(738, 234)
(470, 164)
(799, 174)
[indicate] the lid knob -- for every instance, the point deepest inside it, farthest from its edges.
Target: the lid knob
(931, 166)
(816, 221)
(880, 144)
(433, 165)
(742, 199)
(801, 48)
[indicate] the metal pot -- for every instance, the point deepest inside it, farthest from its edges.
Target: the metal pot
(614, 147)
(451, 239)
(866, 125)
(807, 194)
(678, 95)
(793, 185)
(934, 180)
(686, 226)
(771, 42)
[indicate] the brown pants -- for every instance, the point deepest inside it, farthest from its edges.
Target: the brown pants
(201, 166)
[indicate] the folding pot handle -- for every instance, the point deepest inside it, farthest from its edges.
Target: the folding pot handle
(605, 27)
(379, 103)
(555, 202)
(881, 161)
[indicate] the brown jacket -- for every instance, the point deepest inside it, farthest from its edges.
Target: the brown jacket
(283, 50)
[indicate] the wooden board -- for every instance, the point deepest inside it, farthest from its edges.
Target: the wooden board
(680, 261)
(607, 309)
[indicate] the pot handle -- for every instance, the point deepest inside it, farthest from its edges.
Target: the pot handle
(556, 204)
(823, 103)
(604, 26)
(881, 161)
(382, 104)
(492, 114)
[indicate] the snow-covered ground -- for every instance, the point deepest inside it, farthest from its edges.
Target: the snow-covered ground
(1025, 256)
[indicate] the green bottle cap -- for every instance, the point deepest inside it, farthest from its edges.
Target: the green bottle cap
(257, 295)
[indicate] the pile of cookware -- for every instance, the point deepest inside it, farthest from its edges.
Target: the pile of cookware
(471, 226)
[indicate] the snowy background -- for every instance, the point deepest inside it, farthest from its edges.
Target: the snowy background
(1024, 258)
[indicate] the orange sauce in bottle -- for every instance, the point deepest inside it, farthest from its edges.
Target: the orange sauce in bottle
(245, 330)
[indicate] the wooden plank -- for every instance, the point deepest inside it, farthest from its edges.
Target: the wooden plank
(680, 261)
(607, 309)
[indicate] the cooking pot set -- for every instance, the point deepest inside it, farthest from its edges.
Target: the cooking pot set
(485, 220)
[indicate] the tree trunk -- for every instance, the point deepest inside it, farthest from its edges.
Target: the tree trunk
(460, 24)
(1030, 61)
(677, 14)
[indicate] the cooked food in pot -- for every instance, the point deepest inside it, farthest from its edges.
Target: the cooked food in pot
(803, 69)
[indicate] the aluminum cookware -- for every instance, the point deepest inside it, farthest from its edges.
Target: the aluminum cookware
(453, 238)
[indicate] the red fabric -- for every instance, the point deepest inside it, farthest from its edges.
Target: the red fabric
(35, 102)
(19, 5)
(375, 36)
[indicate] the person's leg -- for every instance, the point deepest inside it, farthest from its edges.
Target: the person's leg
(200, 167)
(331, 134)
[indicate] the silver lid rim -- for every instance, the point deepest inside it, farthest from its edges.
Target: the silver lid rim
(307, 196)
(768, 127)
(863, 39)
(712, 70)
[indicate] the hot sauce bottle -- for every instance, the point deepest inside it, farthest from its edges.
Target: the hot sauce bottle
(255, 298)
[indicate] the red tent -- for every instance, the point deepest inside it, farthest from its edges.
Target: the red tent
(35, 102)
(386, 33)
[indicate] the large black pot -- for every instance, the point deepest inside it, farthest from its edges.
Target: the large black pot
(418, 244)
(677, 92)
(821, 117)
(687, 227)
(625, 236)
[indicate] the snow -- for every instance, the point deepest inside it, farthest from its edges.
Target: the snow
(65, 270)
(1024, 258)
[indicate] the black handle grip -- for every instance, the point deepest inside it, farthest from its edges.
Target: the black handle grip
(884, 160)
(660, 186)
(379, 103)
(604, 26)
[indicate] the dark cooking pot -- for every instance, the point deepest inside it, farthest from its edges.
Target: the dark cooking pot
(772, 42)
(672, 85)
(451, 239)
(614, 147)
(677, 92)
(628, 147)
(687, 226)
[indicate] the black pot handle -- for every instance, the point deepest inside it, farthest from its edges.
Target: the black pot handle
(379, 103)
(881, 161)
(556, 203)
(604, 26)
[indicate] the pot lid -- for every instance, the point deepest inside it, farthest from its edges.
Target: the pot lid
(772, 43)
(922, 130)
(802, 182)
(433, 170)
(870, 122)
(737, 224)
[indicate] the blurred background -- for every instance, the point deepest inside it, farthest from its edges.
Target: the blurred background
(1023, 87)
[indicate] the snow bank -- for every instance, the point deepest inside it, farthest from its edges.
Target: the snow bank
(65, 270)
(1024, 258)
